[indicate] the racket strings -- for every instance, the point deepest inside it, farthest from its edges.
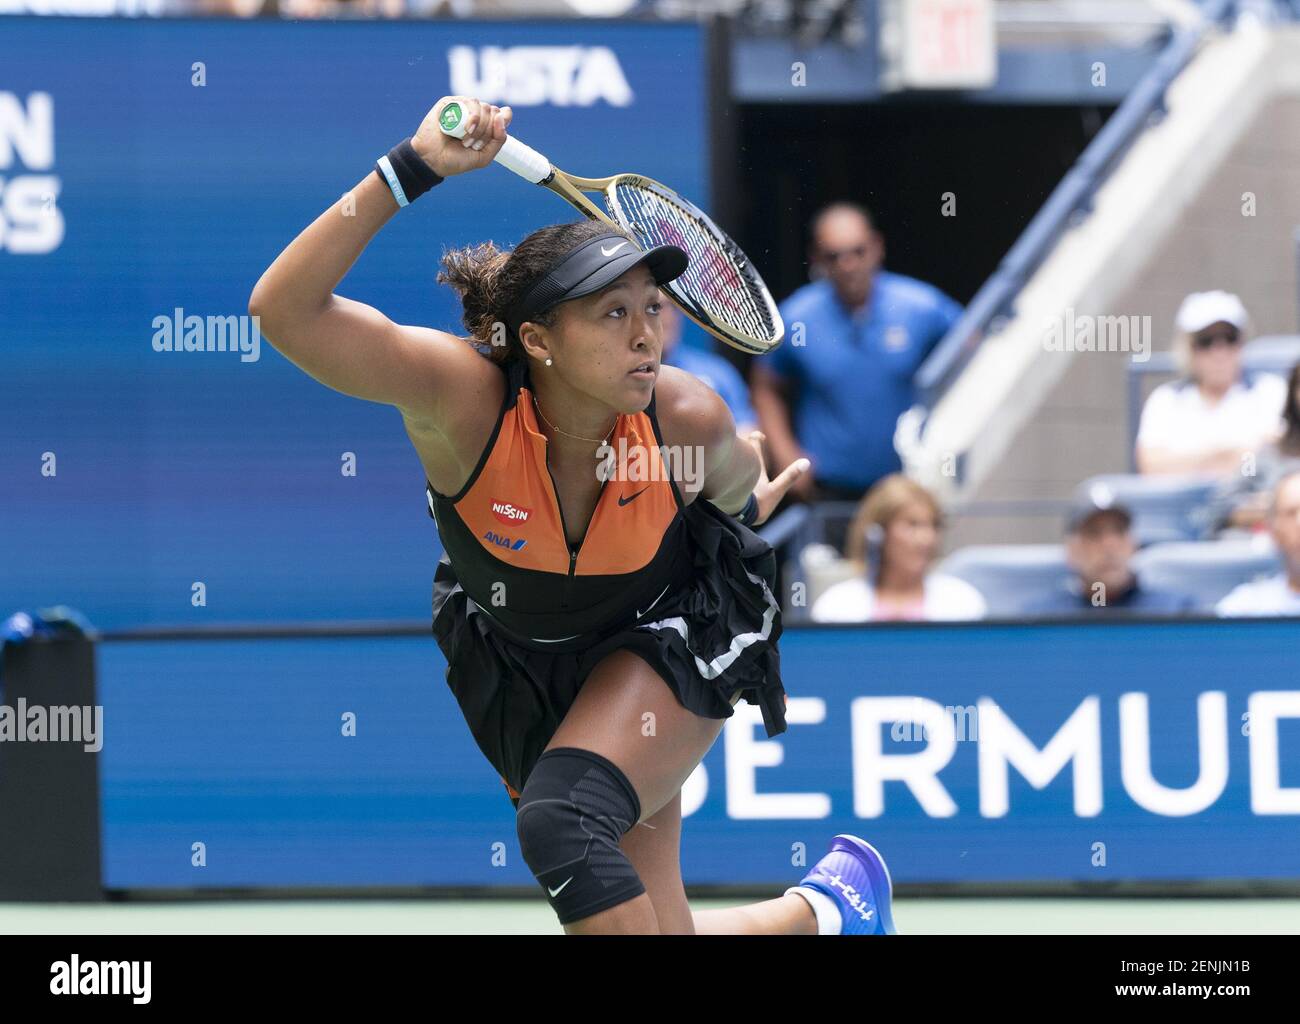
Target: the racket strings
(719, 279)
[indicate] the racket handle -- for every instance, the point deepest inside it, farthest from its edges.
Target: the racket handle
(513, 155)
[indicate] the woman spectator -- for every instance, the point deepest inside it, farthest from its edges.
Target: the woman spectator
(1218, 414)
(893, 541)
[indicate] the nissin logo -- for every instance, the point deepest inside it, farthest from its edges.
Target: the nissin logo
(566, 76)
(503, 542)
(511, 513)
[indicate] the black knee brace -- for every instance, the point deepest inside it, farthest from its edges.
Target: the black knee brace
(574, 809)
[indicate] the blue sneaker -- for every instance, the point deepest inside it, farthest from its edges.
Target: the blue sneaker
(856, 878)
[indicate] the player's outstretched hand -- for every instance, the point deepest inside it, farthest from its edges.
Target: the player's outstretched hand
(485, 134)
(770, 492)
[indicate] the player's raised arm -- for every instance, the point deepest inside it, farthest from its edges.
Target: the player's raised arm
(348, 345)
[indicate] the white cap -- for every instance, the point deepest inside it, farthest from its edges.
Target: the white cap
(1200, 309)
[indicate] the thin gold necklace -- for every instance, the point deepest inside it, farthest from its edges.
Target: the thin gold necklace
(593, 440)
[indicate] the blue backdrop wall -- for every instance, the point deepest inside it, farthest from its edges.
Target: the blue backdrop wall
(129, 190)
(1050, 753)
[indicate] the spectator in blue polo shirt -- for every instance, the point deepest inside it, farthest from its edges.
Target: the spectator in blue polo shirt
(1099, 547)
(855, 337)
(710, 367)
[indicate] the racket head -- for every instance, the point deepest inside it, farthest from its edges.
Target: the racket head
(721, 290)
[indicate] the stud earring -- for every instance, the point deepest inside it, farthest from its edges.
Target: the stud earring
(548, 360)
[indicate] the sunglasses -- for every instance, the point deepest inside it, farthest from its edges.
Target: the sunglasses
(1204, 342)
(835, 255)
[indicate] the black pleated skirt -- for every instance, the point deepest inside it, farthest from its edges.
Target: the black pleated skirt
(708, 638)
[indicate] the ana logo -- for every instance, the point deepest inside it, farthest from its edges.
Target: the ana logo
(503, 542)
(567, 76)
(510, 513)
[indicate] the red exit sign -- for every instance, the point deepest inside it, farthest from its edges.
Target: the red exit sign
(939, 44)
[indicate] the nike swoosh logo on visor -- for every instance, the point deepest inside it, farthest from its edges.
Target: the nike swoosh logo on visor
(610, 252)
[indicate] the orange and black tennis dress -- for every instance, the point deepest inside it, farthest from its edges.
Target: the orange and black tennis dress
(522, 616)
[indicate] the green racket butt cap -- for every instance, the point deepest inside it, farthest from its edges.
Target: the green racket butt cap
(451, 117)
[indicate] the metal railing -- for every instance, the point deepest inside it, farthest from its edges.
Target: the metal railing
(1070, 200)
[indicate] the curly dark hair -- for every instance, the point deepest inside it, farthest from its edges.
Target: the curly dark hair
(490, 280)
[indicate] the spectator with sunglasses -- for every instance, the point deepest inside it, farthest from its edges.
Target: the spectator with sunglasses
(1213, 419)
(855, 336)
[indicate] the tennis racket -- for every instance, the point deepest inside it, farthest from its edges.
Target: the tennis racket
(720, 290)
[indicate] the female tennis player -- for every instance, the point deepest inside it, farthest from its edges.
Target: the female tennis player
(602, 603)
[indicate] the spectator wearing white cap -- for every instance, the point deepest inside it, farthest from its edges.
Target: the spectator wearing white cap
(1218, 413)
(1280, 594)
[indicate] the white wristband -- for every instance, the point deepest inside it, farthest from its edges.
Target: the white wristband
(386, 166)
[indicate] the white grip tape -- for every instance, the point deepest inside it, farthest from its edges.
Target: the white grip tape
(513, 156)
(523, 160)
